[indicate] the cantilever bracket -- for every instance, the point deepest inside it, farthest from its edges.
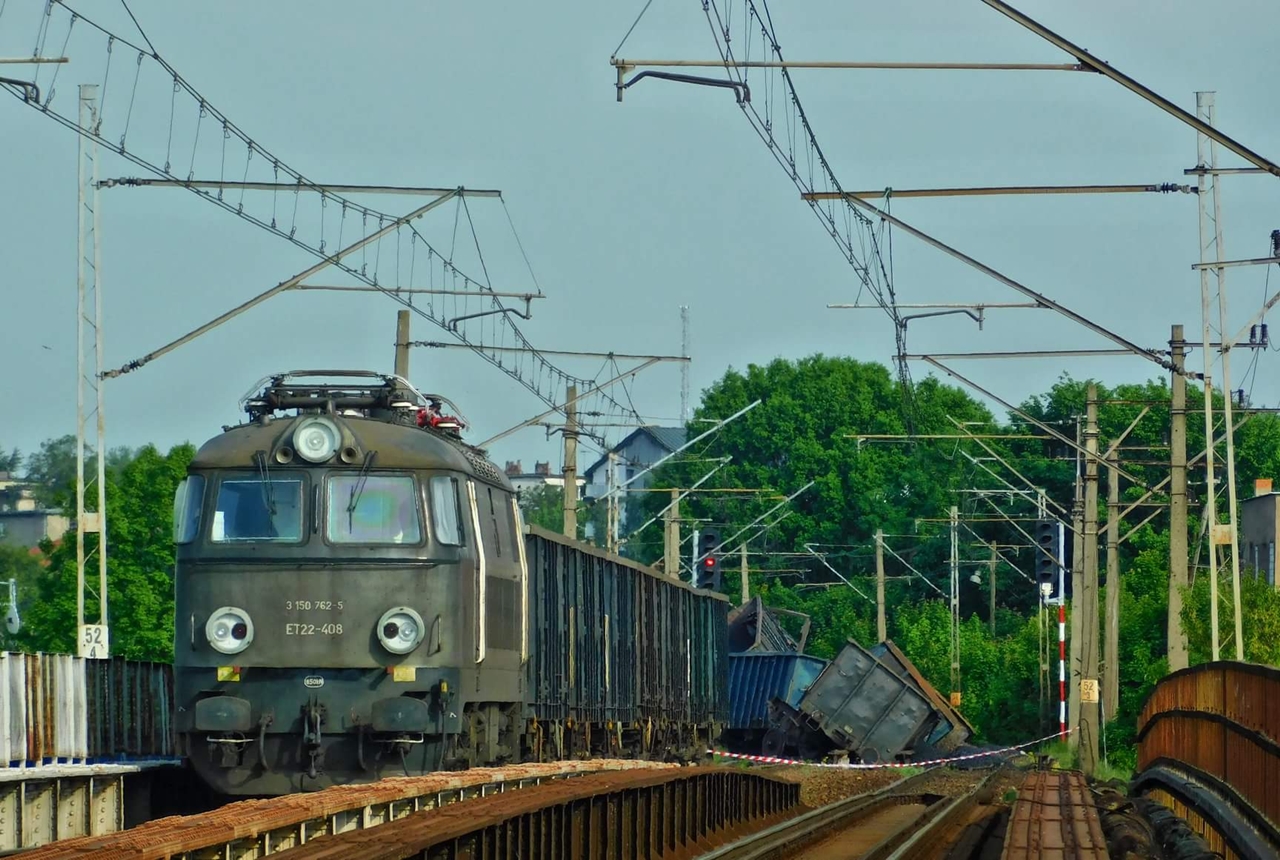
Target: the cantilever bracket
(32, 92)
(741, 91)
(452, 324)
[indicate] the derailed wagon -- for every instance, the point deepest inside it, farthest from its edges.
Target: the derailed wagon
(857, 704)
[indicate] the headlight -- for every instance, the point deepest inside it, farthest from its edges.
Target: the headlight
(400, 630)
(229, 630)
(316, 439)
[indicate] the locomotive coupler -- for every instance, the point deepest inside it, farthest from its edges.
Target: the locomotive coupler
(313, 714)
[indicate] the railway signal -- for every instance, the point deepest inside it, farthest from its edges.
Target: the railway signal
(1049, 559)
(707, 571)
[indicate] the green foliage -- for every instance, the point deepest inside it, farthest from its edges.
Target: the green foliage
(23, 566)
(1260, 604)
(52, 470)
(543, 506)
(139, 570)
(10, 461)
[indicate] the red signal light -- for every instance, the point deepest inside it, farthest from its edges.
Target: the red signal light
(709, 562)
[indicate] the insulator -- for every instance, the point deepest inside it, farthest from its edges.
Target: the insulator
(1266, 339)
(1275, 243)
(1253, 334)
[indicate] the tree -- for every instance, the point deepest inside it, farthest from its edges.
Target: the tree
(52, 470)
(543, 506)
(23, 566)
(139, 565)
(803, 431)
(10, 461)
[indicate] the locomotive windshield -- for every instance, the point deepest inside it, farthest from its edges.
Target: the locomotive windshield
(257, 510)
(373, 509)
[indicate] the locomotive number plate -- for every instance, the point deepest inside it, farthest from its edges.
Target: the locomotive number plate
(313, 605)
(313, 630)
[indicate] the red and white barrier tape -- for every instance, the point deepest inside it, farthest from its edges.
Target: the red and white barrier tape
(766, 759)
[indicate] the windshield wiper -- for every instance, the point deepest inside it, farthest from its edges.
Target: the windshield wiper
(268, 488)
(358, 489)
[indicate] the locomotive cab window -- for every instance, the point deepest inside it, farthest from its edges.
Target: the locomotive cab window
(381, 509)
(187, 503)
(445, 512)
(250, 509)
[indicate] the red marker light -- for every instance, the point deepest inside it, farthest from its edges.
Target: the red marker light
(709, 562)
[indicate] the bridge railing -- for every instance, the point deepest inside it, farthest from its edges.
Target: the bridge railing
(1209, 748)
(55, 708)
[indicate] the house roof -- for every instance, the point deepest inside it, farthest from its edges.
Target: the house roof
(670, 438)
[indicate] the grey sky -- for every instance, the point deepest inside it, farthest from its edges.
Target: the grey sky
(629, 210)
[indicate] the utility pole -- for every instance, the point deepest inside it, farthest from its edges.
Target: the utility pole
(1111, 648)
(882, 632)
(611, 510)
(955, 606)
(991, 586)
(1088, 603)
(1178, 554)
(746, 578)
(93, 639)
(1077, 602)
(570, 470)
(684, 366)
(402, 344)
(671, 520)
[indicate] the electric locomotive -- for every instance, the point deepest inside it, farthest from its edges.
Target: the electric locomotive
(356, 597)
(348, 591)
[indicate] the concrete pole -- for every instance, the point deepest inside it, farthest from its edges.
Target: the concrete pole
(1077, 603)
(1111, 669)
(882, 632)
(991, 586)
(1088, 603)
(746, 577)
(570, 470)
(1178, 554)
(955, 606)
(402, 344)
(671, 520)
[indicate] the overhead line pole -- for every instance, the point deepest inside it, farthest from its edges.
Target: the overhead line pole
(1130, 84)
(1178, 556)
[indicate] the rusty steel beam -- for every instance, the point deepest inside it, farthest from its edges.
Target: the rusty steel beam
(627, 814)
(256, 828)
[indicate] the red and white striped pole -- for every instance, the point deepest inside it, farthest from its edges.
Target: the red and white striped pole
(1062, 668)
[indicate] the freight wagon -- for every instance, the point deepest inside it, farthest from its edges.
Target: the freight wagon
(755, 679)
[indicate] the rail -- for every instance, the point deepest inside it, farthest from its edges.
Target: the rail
(1209, 749)
(893, 837)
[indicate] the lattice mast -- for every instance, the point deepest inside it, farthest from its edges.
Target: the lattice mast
(91, 452)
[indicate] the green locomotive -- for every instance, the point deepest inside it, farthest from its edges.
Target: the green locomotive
(357, 597)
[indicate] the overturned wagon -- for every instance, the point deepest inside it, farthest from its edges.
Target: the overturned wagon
(858, 704)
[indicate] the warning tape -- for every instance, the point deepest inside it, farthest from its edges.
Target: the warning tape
(767, 759)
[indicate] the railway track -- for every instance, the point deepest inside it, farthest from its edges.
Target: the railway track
(1055, 818)
(912, 818)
